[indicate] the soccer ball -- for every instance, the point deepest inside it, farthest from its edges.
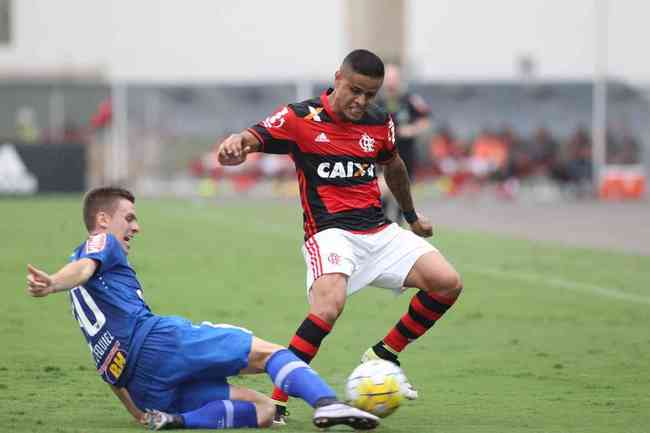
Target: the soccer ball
(376, 387)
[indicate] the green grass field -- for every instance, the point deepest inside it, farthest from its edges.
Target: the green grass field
(544, 338)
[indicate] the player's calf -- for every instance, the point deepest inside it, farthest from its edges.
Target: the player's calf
(327, 296)
(264, 406)
(304, 344)
(294, 377)
(265, 414)
(218, 414)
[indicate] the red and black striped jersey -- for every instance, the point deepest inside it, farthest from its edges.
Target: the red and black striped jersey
(336, 161)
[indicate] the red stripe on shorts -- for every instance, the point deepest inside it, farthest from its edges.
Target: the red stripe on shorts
(314, 247)
(312, 260)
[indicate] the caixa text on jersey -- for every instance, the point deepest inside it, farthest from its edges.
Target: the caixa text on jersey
(328, 170)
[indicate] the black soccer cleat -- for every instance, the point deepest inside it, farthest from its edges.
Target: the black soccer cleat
(281, 415)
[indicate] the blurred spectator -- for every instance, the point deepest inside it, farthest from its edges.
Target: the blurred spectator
(518, 162)
(451, 160)
(631, 151)
(623, 151)
(446, 152)
(409, 112)
(578, 164)
(411, 116)
(542, 151)
(489, 155)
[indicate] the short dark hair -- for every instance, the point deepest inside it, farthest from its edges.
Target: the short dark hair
(365, 63)
(103, 199)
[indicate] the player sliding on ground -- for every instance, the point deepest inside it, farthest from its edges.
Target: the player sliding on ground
(336, 141)
(172, 369)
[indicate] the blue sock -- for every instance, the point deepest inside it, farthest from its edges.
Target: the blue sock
(220, 414)
(296, 378)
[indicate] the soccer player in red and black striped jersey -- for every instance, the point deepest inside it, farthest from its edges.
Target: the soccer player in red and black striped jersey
(336, 141)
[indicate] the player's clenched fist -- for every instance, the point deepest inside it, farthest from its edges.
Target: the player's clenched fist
(422, 227)
(232, 150)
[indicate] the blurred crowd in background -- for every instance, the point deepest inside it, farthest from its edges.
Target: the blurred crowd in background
(500, 157)
(170, 133)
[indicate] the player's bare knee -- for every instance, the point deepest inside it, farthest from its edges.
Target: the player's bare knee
(448, 282)
(453, 282)
(260, 353)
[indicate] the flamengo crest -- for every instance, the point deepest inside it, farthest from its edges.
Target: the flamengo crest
(334, 259)
(367, 143)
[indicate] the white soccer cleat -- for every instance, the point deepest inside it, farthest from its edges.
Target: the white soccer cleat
(342, 414)
(409, 391)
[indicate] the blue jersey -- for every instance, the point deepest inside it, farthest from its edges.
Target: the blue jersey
(110, 309)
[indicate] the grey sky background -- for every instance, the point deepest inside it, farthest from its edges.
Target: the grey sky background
(293, 39)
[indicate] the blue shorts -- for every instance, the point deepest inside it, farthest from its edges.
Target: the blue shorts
(182, 366)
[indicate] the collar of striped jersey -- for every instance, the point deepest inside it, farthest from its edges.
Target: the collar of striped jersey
(328, 108)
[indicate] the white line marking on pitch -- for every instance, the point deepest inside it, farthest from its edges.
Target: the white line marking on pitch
(565, 284)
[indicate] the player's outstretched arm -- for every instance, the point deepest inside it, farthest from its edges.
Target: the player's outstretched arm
(125, 398)
(40, 283)
(233, 150)
(399, 184)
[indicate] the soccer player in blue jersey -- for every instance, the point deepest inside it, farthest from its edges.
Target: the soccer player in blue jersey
(172, 369)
